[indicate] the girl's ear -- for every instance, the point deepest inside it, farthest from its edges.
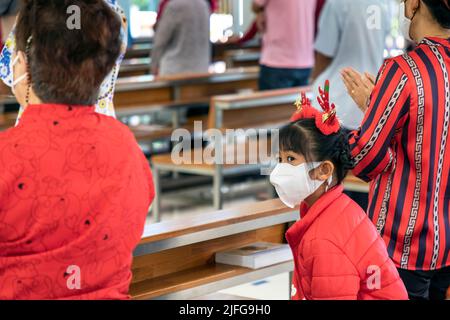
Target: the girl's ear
(325, 171)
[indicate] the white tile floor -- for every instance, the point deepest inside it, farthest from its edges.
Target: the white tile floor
(195, 201)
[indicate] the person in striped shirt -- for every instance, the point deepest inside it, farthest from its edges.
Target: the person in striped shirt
(402, 148)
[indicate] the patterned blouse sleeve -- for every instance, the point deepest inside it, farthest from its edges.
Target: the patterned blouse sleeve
(389, 106)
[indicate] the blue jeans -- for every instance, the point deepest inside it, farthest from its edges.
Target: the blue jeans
(279, 78)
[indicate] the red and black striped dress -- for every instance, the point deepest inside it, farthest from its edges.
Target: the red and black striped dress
(403, 148)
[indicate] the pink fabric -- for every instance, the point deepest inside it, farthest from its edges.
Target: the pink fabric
(288, 41)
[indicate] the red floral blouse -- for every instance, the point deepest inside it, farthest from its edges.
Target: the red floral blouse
(75, 190)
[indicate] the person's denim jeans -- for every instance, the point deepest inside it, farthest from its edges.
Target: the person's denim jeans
(278, 78)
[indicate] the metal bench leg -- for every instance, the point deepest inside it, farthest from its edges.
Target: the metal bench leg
(291, 278)
(272, 193)
(217, 188)
(156, 207)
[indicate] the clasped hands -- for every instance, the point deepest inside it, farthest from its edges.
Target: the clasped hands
(359, 86)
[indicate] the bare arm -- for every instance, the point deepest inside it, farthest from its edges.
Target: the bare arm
(257, 8)
(321, 64)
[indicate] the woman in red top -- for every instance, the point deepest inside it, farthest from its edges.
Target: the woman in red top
(75, 187)
(402, 147)
(337, 251)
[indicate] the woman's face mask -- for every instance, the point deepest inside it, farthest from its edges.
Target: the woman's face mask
(293, 183)
(20, 78)
(405, 22)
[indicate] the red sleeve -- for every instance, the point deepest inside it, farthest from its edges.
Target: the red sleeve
(320, 4)
(161, 7)
(250, 34)
(214, 5)
(371, 145)
(334, 277)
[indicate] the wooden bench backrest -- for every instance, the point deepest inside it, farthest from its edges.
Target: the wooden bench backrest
(142, 90)
(253, 110)
(165, 271)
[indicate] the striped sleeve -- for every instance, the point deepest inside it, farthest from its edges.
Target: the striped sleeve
(371, 144)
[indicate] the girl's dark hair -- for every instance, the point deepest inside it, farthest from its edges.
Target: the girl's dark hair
(67, 65)
(304, 138)
(440, 9)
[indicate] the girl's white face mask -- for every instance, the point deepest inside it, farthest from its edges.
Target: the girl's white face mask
(19, 79)
(294, 184)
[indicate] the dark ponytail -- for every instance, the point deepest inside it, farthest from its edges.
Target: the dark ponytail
(440, 9)
(304, 138)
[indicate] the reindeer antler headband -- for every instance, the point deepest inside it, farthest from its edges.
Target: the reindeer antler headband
(327, 121)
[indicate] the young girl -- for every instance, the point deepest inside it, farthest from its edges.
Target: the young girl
(337, 251)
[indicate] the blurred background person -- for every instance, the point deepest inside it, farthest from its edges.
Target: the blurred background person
(253, 31)
(288, 37)
(350, 33)
(181, 43)
(163, 3)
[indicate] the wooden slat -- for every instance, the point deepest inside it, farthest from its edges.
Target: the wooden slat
(182, 280)
(193, 265)
(197, 87)
(142, 97)
(201, 253)
(194, 91)
(239, 97)
(176, 228)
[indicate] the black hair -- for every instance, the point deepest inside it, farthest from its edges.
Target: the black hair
(440, 9)
(304, 138)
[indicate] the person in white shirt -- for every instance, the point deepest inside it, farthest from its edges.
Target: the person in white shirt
(351, 34)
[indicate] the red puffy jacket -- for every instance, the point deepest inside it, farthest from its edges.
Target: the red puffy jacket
(339, 255)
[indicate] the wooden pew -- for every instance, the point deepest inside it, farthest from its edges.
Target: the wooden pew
(145, 90)
(242, 58)
(7, 120)
(269, 110)
(134, 67)
(149, 134)
(175, 259)
(139, 50)
(259, 110)
(233, 58)
(220, 49)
